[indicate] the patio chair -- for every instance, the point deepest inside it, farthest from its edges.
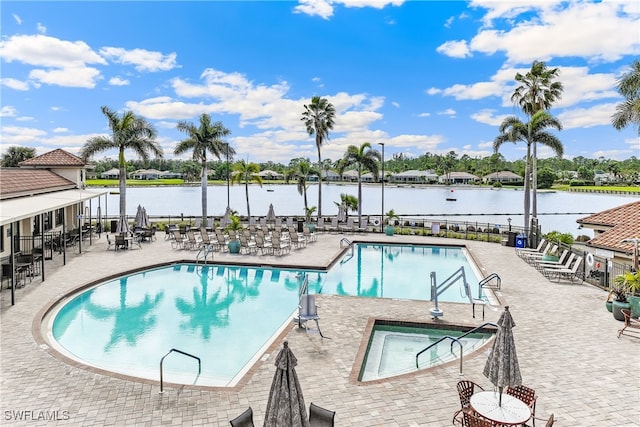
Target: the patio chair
(348, 227)
(527, 395)
(109, 242)
(121, 242)
(248, 246)
(523, 251)
(362, 228)
(306, 232)
(245, 419)
(466, 389)
(533, 257)
(279, 246)
(297, 239)
(262, 245)
(308, 310)
(631, 325)
(472, 420)
(564, 273)
(320, 417)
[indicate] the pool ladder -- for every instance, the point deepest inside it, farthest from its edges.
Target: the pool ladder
(454, 340)
(205, 250)
(346, 243)
(181, 352)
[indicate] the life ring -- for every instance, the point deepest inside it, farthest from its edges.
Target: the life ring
(376, 222)
(589, 259)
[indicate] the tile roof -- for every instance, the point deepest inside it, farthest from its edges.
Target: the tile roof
(57, 157)
(624, 222)
(17, 182)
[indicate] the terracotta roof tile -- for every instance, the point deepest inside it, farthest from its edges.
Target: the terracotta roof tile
(21, 182)
(624, 222)
(57, 157)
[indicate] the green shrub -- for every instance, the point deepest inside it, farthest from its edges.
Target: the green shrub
(556, 236)
(497, 184)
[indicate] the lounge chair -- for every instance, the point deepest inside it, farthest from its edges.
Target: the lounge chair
(349, 226)
(308, 310)
(334, 225)
(564, 273)
(523, 251)
(542, 263)
(466, 389)
(320, 417)
(364, 226)
(545, 267)
(245, 419)
(532, 257)
(631, 325)
(320, 225)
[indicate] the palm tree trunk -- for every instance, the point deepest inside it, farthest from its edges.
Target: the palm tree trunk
(359, 197)
(527, 189)
(204, 191)
(319, 179)
(246, 192)
(123, 184)
(534, 183)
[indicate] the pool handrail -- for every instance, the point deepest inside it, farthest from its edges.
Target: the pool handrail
(485, 282)
(454, 339)
(181, 352)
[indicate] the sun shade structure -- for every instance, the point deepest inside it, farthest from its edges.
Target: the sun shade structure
(226, 219)
(342, 214)
(502, 366)
(271, 214)
(123, 225)
(142, 220)
(286, 407)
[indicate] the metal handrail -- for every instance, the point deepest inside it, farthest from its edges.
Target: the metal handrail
(486, 280)
(436, 343)
(181, 352)
(208, 249)
(454, 339)
(347, 241)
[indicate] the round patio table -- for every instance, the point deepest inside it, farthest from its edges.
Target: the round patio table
(513, 411)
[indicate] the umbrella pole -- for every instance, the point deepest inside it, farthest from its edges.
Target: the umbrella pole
(500, 397)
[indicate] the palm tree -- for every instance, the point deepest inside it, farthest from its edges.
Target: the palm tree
(301, 172)
(348, 202)
(244, 172)
(513, 130)
(15, 155)
(128, 132)
(207, 137)
(628, 112)
(318, 118)
(364, 158)
(538, 90)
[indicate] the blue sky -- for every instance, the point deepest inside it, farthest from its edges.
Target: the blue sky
(420, 76)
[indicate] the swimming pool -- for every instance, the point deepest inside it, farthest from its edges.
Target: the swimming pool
(226, 315)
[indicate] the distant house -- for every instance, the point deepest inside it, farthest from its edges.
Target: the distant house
(270, 174)
(368, 177)
(458, 178)
(146, 174)
(327, 175)
(415, 176)
(350, 175)
(111, 174)
(613, 226)
(170, 175)
(503, 177)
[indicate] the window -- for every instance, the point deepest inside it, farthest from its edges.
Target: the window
(48, 220)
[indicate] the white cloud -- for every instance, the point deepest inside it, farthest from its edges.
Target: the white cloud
(325, 8)
(85, 77)
(614, 154)
(559, 29)
(396, 104)
(14, 83)
(45, 51)
(455, 49)
(20, 135)
(433, 91)
(41, 28)
(448, 112)
(17, 19)
(424, 114)
(118, 81)
(60, 130)
(143, 60)
(488, 117)
(24, 119)
(598, 115)
(8, 111)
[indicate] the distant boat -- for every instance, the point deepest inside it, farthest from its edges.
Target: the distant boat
(451, 198)
(270, 190)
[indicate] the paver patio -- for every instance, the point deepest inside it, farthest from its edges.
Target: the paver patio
(566, 340)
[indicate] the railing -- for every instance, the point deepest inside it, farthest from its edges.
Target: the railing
(446, 284)
(344, 242)
(486, 280)
(181, 352)
(453, 339)
(206, 249)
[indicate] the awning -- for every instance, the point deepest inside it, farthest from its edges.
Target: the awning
(12, 210)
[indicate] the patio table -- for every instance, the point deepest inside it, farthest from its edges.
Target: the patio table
(513, 411)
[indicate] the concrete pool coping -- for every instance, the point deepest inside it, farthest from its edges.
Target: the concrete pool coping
(579, 369)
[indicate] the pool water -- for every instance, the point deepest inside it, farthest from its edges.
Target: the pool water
(392, 349)
(226, 315)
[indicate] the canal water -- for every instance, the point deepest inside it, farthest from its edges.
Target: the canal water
(556, 210)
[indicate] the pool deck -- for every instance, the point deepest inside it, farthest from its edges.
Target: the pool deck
(567, 348)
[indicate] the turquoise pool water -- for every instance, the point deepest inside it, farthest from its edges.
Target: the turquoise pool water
(227, 315)
(392, 350)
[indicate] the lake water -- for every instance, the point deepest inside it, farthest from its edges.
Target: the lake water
(556, 210)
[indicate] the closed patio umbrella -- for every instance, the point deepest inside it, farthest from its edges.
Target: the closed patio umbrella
(226, 219)
(123, 225)
(139, 217)
(285, 407)
(271, 214)
(145, 218)
(342, 213)
(502, 367)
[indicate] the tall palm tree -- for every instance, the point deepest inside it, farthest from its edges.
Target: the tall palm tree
(207, 137)
(513, 130)
(538, 90)
(628, 112)
(301, 173)
(244, 172)
(319, 118)
(364, 158)
(128, 132)
(15, 155)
